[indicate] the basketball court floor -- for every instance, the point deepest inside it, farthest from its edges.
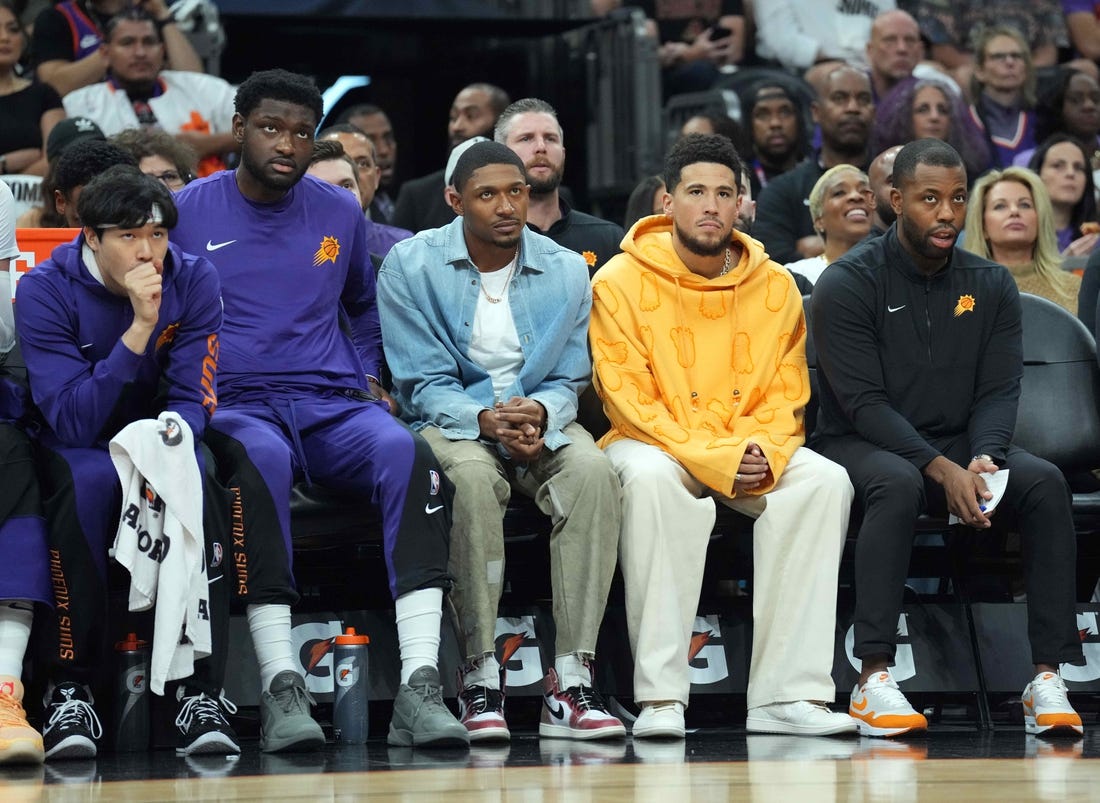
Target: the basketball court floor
(714, 764)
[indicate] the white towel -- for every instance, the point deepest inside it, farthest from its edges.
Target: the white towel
(160, 540)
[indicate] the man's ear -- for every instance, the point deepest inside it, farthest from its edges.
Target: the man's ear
(238, 128)
(453, 199)
(895, 200)
(91, 238)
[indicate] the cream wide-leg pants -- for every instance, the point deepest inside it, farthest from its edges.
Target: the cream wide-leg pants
(798, 538)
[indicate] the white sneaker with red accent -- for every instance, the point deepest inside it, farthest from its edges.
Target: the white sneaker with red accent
(481, 711)
(880, 708)
(1047, 709)
(578, 712)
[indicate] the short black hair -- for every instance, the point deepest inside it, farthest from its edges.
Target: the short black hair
(498, 98)
(124, 197)
(278, 85)
(479, 155)
(135, 14)
(83, 161)
(927, 151)
(696, 148)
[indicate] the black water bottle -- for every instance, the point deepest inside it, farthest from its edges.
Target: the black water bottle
(132, 698)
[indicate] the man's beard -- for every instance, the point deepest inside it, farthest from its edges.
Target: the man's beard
(546, 185)
(699, 248)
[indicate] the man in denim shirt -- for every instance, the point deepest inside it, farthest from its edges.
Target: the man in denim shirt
(484, 327)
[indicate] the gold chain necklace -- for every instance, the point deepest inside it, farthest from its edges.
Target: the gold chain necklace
(504, 291)
(726, 264)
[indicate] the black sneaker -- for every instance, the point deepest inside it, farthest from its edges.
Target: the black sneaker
(72, 727)
(203, 727)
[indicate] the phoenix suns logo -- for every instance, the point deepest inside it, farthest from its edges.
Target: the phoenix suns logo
(329, 250)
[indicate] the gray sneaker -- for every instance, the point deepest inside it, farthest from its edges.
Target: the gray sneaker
(285, 722)
(420, 719)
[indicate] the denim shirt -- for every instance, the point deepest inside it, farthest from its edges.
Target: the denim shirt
(427, 295)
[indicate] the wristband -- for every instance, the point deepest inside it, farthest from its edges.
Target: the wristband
(162, 24)
(3, 165)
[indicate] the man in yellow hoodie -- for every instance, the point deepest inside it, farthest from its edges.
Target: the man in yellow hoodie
(698, 340)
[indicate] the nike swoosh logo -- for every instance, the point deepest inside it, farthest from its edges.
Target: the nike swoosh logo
(430, 510)
(559, 713)
(212, 247)
(860, 705)
(895, 309)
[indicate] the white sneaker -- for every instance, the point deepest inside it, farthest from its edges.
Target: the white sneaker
(801, 718)
(880, 709)
(1046, 706)
(660, 721)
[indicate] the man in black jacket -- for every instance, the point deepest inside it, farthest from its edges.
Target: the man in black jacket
(421, 203)
(920, 354)
(844, 112)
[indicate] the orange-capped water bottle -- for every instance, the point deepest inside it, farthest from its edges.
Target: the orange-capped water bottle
(350, 719)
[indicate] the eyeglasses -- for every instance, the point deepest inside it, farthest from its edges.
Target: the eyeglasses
(171, 179)
(1013, 55)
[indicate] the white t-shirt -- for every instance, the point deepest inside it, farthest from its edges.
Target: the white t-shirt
(811, 268)
(190, 99)
(494, 343)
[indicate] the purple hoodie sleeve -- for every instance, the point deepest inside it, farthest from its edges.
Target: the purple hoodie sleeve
(75, 395)
(360, 303)
(192, 364)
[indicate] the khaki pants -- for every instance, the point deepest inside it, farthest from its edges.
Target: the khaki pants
(797, 542)
(577, 488)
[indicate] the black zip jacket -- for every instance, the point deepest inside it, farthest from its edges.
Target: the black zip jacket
(907, 360)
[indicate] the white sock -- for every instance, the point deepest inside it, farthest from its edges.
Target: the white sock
(571, 671)
(270, 628)
(486, 672)
(16, 616)
(419, 615)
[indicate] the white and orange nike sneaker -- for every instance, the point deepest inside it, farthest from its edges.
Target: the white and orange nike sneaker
(880, 709)
(1046, 707)
(19, 742)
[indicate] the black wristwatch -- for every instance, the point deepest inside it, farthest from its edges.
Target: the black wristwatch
(161, 24)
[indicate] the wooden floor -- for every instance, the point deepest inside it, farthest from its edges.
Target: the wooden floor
(937, 780)
(764, 769)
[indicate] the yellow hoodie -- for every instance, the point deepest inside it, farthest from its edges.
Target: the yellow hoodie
(700, 367)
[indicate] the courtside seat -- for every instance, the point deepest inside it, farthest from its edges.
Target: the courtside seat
(1059, 414)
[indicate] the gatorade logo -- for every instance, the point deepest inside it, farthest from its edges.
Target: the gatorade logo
(518, 651)
(707, 652)
(1090, 644)
(312, 643)
(904, 667)
(347, 672)
(135, 680)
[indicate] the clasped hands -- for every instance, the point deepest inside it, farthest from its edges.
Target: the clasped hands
(518, 425)
(753, 469)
